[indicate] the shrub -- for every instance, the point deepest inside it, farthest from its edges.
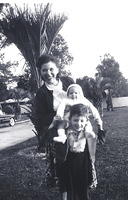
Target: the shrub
(8, 109)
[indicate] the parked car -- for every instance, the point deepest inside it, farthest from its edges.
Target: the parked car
(5, 118)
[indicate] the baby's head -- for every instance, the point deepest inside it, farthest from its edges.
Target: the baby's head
(78, 116)
(74, 91)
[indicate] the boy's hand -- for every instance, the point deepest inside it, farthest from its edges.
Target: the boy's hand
(101, 136)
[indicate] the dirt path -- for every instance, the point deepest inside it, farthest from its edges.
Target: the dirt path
(10, 136)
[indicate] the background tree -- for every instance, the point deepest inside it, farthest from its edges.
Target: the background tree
(121, 87)
(3, 91)
(33, 32)
(59, 49)
(110, 76)
(6, 74)
(92, 92)
(109, 69)
(90, 89)
(6, 77)
(27, 84)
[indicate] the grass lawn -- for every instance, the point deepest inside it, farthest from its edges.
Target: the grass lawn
(22, 169)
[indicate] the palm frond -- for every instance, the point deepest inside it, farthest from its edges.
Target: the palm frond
(33, 32)
(43, 34)
(54, 25)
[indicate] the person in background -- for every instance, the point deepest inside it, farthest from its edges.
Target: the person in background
(109, 99)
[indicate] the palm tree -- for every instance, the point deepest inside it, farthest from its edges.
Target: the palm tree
(33, 32)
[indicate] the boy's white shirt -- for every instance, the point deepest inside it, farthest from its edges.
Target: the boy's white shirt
(78, 145)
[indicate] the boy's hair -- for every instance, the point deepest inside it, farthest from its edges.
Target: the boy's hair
(76, 86)
(78, 109)
(43, 59)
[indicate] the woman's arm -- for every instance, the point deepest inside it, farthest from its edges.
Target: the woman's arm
(61, 109)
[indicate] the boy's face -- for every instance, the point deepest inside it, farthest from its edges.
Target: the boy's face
(73, 93)
(78, 122)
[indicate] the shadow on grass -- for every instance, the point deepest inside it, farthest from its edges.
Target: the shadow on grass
(22, 172)
(112, 158)
(22, 177)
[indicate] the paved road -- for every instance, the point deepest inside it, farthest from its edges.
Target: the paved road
(10, 136)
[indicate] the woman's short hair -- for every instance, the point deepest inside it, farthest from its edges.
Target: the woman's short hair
(43, 59)
(78, 109)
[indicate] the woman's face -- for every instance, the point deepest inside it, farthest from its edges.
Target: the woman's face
(49, 72)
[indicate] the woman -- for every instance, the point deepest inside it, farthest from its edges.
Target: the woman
(48, 96)
(46, 102)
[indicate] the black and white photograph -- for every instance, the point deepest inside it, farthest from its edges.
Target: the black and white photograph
(63, 100)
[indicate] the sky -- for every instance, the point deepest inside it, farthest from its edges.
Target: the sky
(93, 28)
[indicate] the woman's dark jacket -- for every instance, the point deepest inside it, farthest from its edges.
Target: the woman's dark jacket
(43, 109)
